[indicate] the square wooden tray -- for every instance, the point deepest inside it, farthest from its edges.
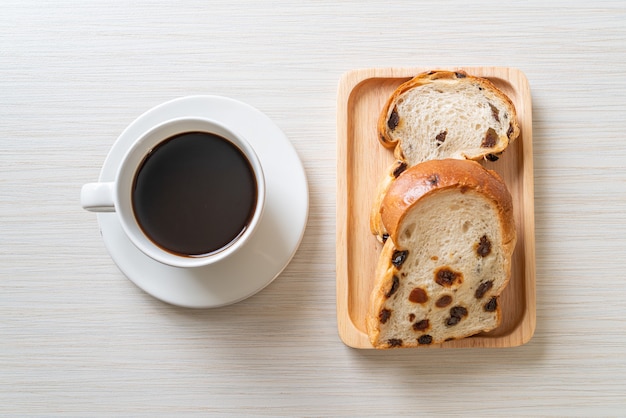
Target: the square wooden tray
(361, 162)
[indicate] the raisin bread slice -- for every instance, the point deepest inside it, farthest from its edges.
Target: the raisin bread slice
(443, 114)
(448, 256)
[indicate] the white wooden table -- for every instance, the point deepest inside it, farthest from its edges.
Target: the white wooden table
(78, 338)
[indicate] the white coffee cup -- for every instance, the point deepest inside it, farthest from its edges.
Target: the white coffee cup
(118, 195)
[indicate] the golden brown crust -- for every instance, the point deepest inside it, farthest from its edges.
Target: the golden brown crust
(384, 271)
(376, 226)
(431, 176)
(426, 78)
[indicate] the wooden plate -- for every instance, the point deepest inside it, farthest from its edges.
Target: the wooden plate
(361, 163)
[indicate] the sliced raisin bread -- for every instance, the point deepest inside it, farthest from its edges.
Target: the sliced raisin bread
(448, 256)
(443, 114)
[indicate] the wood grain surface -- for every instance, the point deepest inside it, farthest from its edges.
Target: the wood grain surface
(79, 339)
(361, 164)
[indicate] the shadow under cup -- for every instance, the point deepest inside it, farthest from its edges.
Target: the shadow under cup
(190, 192)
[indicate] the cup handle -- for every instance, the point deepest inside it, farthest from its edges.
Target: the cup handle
(97, 197)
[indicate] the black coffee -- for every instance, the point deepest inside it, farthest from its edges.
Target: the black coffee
(194, 194)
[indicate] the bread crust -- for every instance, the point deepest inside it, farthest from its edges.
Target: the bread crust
(431, 176)
(384, 273)
(376, 226)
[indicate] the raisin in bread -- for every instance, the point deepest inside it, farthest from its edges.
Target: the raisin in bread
(448, 256)
(443, 114)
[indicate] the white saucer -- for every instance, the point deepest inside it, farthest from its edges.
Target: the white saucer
(269, 250)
